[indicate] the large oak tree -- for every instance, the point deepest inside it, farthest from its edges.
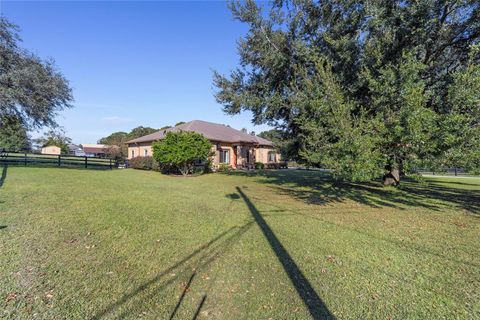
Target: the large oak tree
(361, 86)
(32, 90)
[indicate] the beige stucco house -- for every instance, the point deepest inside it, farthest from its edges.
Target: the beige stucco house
(51, 150)
(229, 146)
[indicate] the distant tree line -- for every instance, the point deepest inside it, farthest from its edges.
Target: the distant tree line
(117, 140)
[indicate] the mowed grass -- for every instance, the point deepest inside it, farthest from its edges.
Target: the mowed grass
(86, 244)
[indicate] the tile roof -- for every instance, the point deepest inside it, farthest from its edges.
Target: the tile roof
(211, 131)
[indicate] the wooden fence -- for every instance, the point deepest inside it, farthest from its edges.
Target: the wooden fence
(47, 160)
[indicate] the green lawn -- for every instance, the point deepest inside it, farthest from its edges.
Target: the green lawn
(89, 244)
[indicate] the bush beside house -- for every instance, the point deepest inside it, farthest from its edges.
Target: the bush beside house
(143, 163)
(181, 151)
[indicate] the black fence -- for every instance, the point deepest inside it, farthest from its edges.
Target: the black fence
(49, 160)
(444, 171)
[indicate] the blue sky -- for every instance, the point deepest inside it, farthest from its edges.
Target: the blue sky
(133, 63)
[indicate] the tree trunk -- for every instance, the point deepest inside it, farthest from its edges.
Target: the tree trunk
(392, 178)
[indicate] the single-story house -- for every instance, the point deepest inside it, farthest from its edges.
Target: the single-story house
(94, 150)
(231, 147)
(51, 150)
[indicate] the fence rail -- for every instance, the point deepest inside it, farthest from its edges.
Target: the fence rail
(26, 159)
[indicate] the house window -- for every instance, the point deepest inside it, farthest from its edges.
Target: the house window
(146, 152)
(272, 156)
(133, 153)
(224, 156)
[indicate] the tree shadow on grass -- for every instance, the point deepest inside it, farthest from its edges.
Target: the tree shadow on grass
(200, 258)
(405, 245)
(199, 308)
(320, 188)
(315, 305)
(4, 175)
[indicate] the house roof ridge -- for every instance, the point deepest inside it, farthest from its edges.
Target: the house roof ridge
(212, 131)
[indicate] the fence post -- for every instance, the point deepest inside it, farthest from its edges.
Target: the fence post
(110, 164)
(455, 171)
(59, 160)
(25, 160)
(86, 161)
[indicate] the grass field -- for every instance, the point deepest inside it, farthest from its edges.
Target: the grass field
(86, 244)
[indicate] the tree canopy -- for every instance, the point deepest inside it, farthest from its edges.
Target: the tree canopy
(13, 134)
(180, 150)
(118, 140)
(55, 138)
(282, 142)
(362, 86)
(31, 89)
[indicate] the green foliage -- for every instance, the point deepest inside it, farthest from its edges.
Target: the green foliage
(31, 89)
(259, 165)
(276, 165)
(55, 138)
(143, 163)
(208, 166)
(180, 150)
(356, 86)
(13, 134)
(179, 123)
(118, 141)
(282, 142)
(223, 167)
(116, 138)
(140, 132)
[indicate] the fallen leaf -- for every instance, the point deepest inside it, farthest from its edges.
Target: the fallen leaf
(11, 296)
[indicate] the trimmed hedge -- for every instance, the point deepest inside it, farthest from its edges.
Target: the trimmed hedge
(259, 165)
(277, 165)
(143, 163)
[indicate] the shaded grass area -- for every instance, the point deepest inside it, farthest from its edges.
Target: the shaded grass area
(275, 244)
(318, 188)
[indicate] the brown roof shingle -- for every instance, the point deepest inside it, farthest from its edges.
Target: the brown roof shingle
(211, 131)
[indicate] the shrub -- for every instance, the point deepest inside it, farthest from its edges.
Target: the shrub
(143, 163)
(180, 150)
(277, 165)
(259, 165)
(223, 167)
(208, 167)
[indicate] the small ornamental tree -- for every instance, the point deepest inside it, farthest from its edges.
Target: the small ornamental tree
(180, 150)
